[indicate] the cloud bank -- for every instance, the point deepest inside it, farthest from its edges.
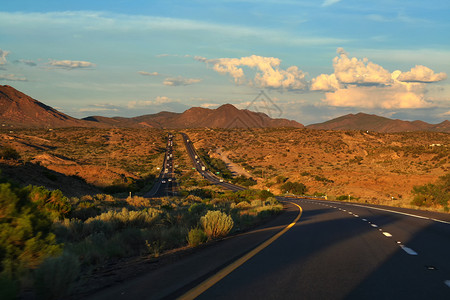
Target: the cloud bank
(354, 83)
(71, 64)
(180, 81)
(12, 77)
(268, 72)
(143, 73)
(361, 83)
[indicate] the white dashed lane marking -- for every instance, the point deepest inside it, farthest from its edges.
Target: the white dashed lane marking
(387, 234)
(408, 250)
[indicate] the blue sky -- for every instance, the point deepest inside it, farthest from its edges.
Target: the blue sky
(315, 60)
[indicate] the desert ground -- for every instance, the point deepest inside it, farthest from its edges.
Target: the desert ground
(379, 168)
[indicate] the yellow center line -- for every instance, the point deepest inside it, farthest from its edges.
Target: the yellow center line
(202, 287)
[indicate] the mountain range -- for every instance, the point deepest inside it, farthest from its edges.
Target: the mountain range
(20, 110)
(362, 121)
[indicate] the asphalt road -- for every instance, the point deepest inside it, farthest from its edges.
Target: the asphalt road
(165, 184)
(203, 169)
(343, 251)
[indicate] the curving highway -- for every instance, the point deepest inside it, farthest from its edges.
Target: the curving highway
(203, 170)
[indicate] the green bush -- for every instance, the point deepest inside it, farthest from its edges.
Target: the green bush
(264, 194)
(244, 181)
(53, 202)
(216, 224)
(55, 277)
(25, 237)
(294, 188)
(196, 237)
(433, 194)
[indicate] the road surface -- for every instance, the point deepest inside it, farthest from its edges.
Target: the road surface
(334, 251)
(203, 170)
(165, 184)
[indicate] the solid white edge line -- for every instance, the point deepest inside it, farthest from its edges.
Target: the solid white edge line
(396, 212)
(447, 283)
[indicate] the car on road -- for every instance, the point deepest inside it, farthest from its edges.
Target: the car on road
(163, 181)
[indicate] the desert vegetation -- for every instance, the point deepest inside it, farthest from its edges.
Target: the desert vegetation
(111, 160)
(433, 194)
(43, 232)
(372, 167)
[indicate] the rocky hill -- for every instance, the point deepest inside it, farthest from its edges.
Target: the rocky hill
(20, 110)
(362, 121)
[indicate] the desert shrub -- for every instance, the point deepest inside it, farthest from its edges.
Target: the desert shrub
(294, 188)
(196, 237)
(193, 198)
(53, 202)
(7, 152)
(55, 276)
(216, 224)
(433, 194)
(281, 179)
(174, 236)
(128, 218)
(244, 181)
(256, 203)
(264, 194)
(137, 202)
(272, 201)
(243, 205)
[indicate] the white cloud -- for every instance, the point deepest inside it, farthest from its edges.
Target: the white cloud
(357, 71)
(421, 74)
(3, 55)
(209, 105)
(102, 107)
(148, 73)
(180, 81)
(143, 103)
(361, 83)
(325, 82)
(71, 64)
(268, 72)
(376, 97)
(11, 77)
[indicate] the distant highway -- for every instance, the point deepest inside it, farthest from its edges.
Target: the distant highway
(165, 184)
(203, 170)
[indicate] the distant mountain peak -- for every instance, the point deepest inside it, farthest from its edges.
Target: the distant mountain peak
(21, 110)
(370, 122)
